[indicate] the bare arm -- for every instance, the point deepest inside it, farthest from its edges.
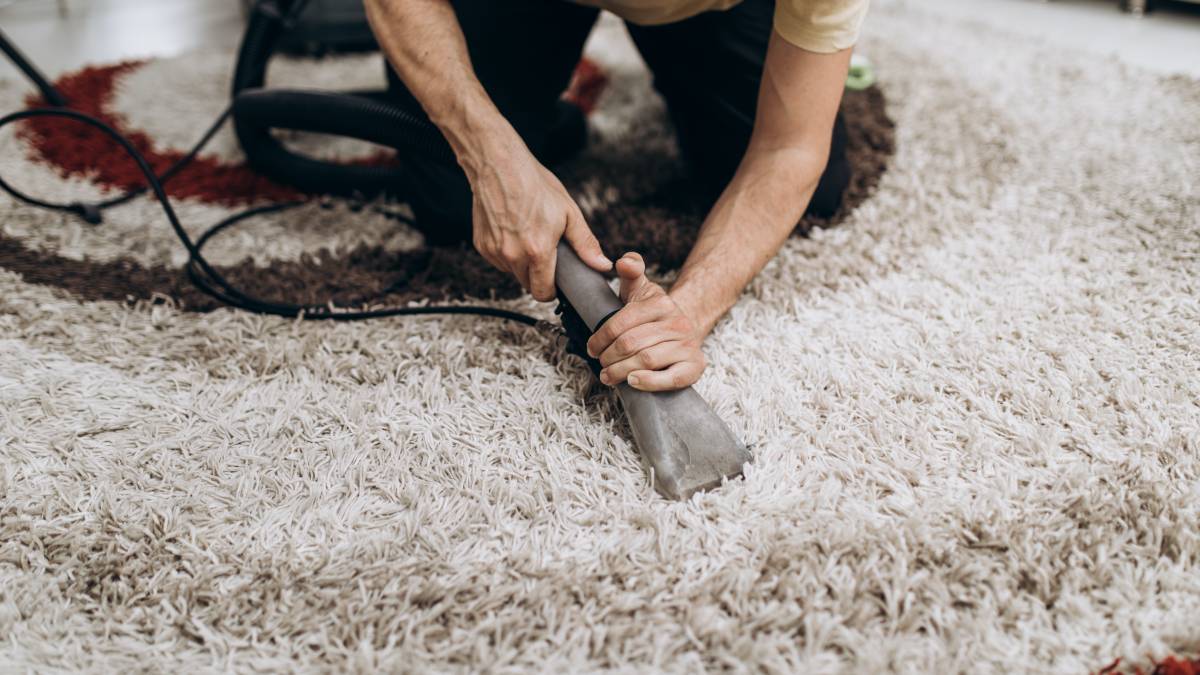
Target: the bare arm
(520, 209)
(654, 341)
(797, 103)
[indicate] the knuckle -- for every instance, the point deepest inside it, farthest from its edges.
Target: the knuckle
(615, 326)
(625, 345)
(605, 334)
(533, 249)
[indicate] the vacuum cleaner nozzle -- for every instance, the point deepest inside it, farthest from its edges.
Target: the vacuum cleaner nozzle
(683, 443)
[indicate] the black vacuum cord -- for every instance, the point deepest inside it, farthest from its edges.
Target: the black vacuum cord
(201, 273)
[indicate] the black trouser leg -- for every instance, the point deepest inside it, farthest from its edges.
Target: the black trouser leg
(524, 52)
(708, 68)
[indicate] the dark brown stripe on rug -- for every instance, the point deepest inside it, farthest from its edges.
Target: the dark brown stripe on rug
(662, 226)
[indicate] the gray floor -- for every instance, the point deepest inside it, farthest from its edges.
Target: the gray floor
(1167, 40)
(96, 31)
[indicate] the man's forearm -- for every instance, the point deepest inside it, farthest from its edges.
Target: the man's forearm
(519, 209)
(745, 229)
(788, 150)
(424, 43)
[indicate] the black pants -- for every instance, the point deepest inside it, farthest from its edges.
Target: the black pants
(707, 67)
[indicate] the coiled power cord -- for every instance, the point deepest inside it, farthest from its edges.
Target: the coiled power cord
(199, 270)
(366, 115)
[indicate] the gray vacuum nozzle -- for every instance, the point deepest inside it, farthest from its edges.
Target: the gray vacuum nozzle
(683, 443)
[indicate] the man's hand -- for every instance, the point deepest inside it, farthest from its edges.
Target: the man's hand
(520, 209)
(520, 212)
(650, 342)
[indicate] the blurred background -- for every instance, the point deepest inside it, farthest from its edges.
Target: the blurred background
(1161, 35)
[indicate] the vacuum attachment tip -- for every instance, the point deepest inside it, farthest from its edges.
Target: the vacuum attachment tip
(683, 443)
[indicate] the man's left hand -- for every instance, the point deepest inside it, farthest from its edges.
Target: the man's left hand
(650, 343)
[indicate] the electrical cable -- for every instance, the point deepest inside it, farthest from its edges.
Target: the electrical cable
(52, 95)
(201, 273)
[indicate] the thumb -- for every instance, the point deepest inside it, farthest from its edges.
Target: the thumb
(580, 237)
(632, 271)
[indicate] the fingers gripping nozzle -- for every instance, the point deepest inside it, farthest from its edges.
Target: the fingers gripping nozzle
(683, 444)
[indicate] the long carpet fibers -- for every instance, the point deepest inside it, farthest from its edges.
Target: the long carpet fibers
(973, 405)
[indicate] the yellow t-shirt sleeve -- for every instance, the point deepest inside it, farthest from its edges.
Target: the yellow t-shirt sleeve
(820, 25)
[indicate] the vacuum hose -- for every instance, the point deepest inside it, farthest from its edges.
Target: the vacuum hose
(260, 111)
(684, 445)
(367, 116)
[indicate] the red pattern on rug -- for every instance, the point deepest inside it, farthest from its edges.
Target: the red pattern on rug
(79, 151)
(1168, 666)
(587, 83)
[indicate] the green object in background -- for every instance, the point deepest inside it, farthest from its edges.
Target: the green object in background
(861, 75)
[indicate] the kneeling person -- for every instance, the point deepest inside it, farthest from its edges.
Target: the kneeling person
(752, 87)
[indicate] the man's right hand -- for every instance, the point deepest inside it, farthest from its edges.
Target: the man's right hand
(520, 211)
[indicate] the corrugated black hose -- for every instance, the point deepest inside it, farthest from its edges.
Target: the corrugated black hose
(256, 111)
(198, 268)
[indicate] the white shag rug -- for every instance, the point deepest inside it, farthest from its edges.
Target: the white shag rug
(973, 407)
